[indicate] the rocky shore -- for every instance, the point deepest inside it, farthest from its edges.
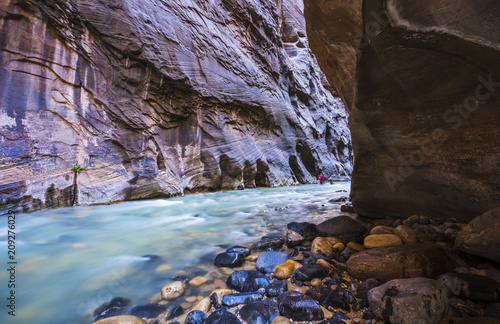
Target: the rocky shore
(346, 269)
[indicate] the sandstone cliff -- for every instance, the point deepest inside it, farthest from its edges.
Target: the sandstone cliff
(421, 80)
(156, 98)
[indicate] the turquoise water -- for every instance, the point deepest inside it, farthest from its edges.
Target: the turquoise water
(71, 260)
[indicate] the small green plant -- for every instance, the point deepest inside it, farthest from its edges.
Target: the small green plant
(76, 168)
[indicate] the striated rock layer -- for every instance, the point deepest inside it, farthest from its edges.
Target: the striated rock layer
(421, 81)
(157, 98)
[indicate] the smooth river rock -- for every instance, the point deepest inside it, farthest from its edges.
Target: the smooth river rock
(173, 290)
(268, 261)
(122, 319)
(340, 225)
(409, 301)
(397, 262)
(260, 312)
(471, 286)
(247, 281)
(299, 307)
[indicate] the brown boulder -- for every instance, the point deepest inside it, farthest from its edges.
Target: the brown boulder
(398, 262)
(481, 236)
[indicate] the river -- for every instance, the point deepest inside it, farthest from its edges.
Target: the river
(71, 260)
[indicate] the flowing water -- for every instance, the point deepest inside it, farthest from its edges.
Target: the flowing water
(71, 260)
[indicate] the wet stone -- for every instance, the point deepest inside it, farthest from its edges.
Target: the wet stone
(273, 244)
(336, 300)
(175, 312)
(317, 293)
(268, 261)
(276, 288)
(340, 225)
(293, 238)
(299, 307)
(306, 230)
(310, 271)
(222, 317)
(382, 230)
(239, 249)
(117, 306)
(229, 259)
(241, 298)
(247, 281)
(195, 317)
(173, 290)
(472, 286)
(148, 311)
(260, 312)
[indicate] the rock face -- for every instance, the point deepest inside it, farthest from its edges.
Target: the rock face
(154, 99)
(421, 81)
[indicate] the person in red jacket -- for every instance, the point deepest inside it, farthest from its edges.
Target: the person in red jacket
(322, 179)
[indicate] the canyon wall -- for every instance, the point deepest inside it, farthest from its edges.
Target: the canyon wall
(421, 81)
(159, 98)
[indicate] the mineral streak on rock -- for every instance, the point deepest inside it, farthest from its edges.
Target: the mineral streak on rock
(157, 98)
(421, 81)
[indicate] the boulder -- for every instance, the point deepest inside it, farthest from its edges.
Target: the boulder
(397, 262)
(340, 225)
(408, 301)
(480, 236)
(299, 307)
(247, 281)
(472, 286)
(173, 290)
(426, 144)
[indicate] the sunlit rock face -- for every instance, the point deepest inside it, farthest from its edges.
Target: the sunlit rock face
(421, 81)
(156, 98)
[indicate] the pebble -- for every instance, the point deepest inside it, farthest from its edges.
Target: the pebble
(306, 230)
(321, 245)
(173, 290)
(276, 288)
(336, 300)
(310, 271)
(253, 257)
(217, 295)
(406, 234)
(116, 306)
(286, 270)
(239, 249)
(381, 240)
(316, 282)
(339, 246)
(260, 312)
(299, 307)
(328, 315)
(195, 317)
(163, 268)
(204, 305)
(382, 230)
(268, 261)
(240, 298)
(293, 238)
(197, 281)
